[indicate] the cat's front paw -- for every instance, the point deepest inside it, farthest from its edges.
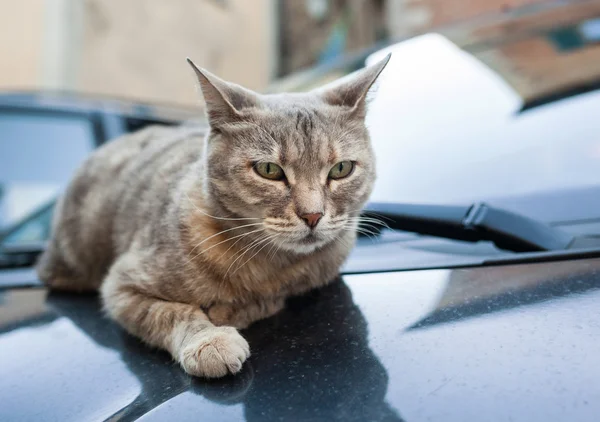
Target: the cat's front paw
(214, 352)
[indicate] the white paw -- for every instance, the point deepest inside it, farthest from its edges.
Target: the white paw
(214, 353)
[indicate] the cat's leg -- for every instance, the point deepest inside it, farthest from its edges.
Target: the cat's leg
(241, 316)
(184, 330)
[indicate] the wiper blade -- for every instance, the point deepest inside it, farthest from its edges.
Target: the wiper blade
(19, 256)
(472, 223)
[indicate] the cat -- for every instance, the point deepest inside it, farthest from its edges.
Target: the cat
(192, 233)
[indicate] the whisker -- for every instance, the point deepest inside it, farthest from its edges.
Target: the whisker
(374, 224)
(266, 243)
(367, 229)
(343, 241)
(274, 249)
(369, 225)
(218, 218)
(221, 232)
(371, 213)
(378, 215)
(246, 250)
(231, 246)
(238, 254)
(369, 219)
(360, 219)
(366, 226)
(223, 241)
(372, 235)
(348, 245)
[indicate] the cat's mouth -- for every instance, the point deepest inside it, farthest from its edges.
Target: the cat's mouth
(303, 245)
(310, 238)
(313, 240)
(301, 240)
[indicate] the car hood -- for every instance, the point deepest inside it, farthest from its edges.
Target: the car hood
(502, 343)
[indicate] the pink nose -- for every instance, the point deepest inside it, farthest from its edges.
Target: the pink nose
(312, 219)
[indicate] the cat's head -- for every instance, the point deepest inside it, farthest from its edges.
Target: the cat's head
(301, 163)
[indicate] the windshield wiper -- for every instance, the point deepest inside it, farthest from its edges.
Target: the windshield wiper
(20, 256)
(472, 223)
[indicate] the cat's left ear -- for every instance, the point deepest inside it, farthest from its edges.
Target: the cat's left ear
(351, 92)
(224, 100)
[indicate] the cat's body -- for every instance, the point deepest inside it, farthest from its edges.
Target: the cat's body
(139, 193)
(186, 240)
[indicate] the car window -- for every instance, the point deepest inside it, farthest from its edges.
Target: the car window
(39, 151)
(34, 230)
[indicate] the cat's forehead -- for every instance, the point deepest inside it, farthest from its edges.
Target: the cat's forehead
(297, 106)
(300, 130)
(307, 132)
(303, 116)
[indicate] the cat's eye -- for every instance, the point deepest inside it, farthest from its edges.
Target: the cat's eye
(341, 170)
(269, 171)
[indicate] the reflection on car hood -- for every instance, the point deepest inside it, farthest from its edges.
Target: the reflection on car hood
(505, 343)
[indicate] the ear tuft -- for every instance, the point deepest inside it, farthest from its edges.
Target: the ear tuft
(351, 92)
(224, 100)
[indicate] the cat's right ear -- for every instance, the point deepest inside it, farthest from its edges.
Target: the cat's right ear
(224, 100)
(351, 92)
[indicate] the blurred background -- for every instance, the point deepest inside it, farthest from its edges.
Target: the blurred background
(137, 48)
(483, 99)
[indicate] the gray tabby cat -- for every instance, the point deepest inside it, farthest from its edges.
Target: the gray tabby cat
(191, 233)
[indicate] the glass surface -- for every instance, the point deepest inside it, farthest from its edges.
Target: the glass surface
(39, 153)
(36, 229)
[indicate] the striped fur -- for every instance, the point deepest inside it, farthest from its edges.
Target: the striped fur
(185, 241)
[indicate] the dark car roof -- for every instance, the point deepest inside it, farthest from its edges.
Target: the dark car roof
(506, 343)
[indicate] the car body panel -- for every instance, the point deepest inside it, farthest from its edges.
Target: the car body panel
(513, 343)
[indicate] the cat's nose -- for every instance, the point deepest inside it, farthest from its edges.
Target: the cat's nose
(312, 219)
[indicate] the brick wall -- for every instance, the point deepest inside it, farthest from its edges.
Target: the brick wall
(407, 17)
(523, 49)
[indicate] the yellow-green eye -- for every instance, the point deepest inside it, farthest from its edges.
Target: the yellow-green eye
(269, 171)
(341, 170)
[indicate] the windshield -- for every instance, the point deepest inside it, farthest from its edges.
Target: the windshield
(38, 154)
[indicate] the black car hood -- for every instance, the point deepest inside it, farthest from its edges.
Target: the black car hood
(502, 343)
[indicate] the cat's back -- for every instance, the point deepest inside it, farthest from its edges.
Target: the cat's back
(129, 166)
(127, 154)
(120, 187)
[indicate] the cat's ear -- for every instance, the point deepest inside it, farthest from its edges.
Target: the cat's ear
(224, 100)
(351, 92)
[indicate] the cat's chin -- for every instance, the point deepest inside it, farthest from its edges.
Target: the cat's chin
(304, 247)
